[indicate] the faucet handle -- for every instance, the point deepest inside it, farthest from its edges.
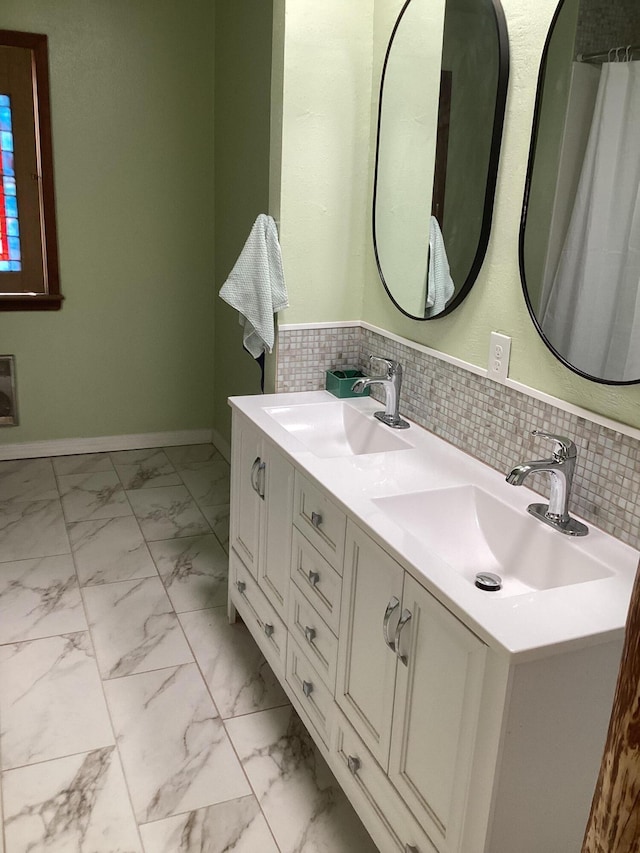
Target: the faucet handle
(564, 447)
(391, 365)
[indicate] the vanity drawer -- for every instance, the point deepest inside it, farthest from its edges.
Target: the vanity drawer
(314, 636)
(259, 616)
(390, 823)
(319, 582)
(310, 691)
(320, 520)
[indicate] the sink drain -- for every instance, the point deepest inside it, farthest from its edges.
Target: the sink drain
(488, 581)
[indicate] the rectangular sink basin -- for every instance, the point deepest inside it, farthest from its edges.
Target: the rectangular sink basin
(475, 532)
(337, 429)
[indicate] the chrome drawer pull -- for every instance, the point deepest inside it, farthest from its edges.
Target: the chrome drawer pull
(314, 578)
(406, 616)
(260, 481)
(254, 469)
(310, 634)
(307, 688)
(241, 585)
(268, 629)
(316, 519)
(393, 604)
(353, 763)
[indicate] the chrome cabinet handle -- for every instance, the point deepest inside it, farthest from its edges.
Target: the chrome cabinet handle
(268, 629)
(307, 688)
(353, 763)
(406, 616)
(261, 480)
(254, 469)
(316, 519)
(310, 634)
(314, 578)
(241, 586)
(393, 604)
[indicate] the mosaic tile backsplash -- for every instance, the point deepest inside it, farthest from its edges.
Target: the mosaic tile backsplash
(485, 419)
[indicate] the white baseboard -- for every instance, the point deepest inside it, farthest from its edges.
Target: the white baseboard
(104, 444)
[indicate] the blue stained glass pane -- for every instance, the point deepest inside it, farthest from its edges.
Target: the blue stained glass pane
(5, 266)
(4, 100)
(7, 163)
(15, 266)
(14, 248)
(6, 140)
(13, 229)
(5, 118)
(9, 186)
(11, 206)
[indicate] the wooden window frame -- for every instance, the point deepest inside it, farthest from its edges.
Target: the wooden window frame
(45, 295)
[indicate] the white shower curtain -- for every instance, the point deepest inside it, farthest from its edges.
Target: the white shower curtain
(592, 314)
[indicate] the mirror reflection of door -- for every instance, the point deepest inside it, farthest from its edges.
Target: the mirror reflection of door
(580, 242)
(439, 130)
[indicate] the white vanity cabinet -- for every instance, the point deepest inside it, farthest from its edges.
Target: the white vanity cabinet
(444, 740)
(409, 681)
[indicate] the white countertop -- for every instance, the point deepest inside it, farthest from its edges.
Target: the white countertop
(526, 626)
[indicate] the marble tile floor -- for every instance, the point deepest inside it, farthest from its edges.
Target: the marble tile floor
(133, 717)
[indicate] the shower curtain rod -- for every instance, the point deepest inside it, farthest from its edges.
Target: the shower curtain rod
(605, 54)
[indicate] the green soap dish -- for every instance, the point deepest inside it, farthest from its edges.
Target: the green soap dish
(339, 383)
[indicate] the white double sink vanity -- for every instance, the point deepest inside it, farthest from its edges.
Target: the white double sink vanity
(457, 720)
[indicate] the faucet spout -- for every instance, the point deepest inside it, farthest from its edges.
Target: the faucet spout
(391, 383)
(560, 468)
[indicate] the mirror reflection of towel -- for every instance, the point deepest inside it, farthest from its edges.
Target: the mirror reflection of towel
(256, 287)
(440, 286)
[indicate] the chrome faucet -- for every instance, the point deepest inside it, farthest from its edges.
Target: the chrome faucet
(560, 467)
(391, 382)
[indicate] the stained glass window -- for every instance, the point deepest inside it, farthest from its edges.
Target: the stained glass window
(9, 228)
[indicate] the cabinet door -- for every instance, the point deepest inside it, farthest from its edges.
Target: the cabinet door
(275, 553)
(366, 665)
(437, 704)
(247, 482)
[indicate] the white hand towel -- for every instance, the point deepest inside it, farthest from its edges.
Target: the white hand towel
(440, 285)
(256, 286)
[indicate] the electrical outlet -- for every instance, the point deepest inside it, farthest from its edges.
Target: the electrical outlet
(499, 350)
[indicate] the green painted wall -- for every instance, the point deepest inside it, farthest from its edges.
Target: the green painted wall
(496, 301)
(242, 98)
(132, 349)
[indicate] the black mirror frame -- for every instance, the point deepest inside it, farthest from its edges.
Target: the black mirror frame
(492, 168)
(525, 207)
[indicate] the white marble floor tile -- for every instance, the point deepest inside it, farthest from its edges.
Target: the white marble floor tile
(208, 482)
(39, 598)
(85, 463)
(110, 549)
(167, 513)
(78, 803)
(142, 469)
(134, 628)
(51, 702)
(187, 453)
(194, 571)
(27, 480)
(174, 749)
(237, 675)
(218, 518)
(89, 496)
(237, 826)
(300, 798)
(32, 530)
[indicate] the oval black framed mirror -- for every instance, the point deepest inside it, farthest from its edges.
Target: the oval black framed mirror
(580, 227)
(440, 116)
